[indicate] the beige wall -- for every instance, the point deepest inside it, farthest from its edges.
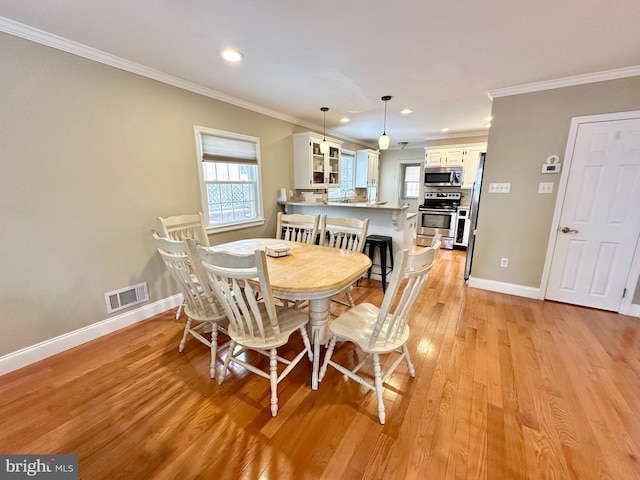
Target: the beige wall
(90, 156)
(526, 129)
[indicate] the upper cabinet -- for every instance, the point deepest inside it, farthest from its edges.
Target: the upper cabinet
(444, 157)
(367, 169)
(471, 161)
(466, 156)
(311, 167)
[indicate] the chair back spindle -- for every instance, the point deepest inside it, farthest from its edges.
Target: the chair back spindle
(416, 268)
(298, 228)
(181, 227)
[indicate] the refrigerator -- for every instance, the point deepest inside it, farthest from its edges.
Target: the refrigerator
(473, 212)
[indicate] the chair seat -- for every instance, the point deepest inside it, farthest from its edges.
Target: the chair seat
(289, 321)
(357, 324)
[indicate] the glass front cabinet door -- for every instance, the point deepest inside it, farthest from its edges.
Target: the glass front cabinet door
(312, 168)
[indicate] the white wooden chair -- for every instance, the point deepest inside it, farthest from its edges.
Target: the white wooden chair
(253, 325)
(298, 228)
(377, 331)
(181, 227)
(200, 304)
(347, 234)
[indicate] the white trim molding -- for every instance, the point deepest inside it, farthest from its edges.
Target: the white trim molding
(502, 287)
(40, 351)
(565, 82)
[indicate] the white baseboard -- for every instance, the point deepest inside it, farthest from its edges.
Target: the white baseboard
(508, 288)
(42, 350)
(631, 310)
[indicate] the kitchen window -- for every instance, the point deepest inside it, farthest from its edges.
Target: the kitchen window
(347, 162)
(410, 180)
(230, 179)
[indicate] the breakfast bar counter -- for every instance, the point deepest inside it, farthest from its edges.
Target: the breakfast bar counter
(384, 219)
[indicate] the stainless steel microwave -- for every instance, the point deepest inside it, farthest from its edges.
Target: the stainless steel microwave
(442, 176)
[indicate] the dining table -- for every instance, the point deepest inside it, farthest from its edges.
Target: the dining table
(308, 272)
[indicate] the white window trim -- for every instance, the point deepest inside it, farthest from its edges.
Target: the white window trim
(199, 131)
(400, 184)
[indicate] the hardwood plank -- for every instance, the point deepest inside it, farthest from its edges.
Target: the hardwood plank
(505, 387)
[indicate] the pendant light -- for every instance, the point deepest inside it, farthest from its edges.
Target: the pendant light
(383, 141)
(324, 145)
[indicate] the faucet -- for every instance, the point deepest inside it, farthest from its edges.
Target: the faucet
(346, 198)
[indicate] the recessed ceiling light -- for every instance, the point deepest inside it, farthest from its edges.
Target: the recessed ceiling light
(232, 56)
(344, 120)
(406, 111)
(488, 119)
(487, 125)
(445, 129)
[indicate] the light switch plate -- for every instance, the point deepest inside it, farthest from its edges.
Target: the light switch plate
(545, 187)
(499, 187)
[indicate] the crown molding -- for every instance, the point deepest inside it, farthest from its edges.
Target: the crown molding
(445, 136)
(565, 82)
(60, 43)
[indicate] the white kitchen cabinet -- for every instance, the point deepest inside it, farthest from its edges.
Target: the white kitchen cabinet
(471, 160)
(444, 157)
(434, 157)
(466, 156)
(367, 170)
(311, 168)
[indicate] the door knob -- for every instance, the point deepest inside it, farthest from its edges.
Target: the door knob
(568, 230)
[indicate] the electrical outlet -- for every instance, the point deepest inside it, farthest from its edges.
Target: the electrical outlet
(504, 262)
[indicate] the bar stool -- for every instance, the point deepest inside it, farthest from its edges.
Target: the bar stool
(384, 244)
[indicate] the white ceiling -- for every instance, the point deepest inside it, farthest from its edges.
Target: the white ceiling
(438, 57)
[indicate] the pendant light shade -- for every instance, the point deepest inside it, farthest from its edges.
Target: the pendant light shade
(383, 141)
(324, 145)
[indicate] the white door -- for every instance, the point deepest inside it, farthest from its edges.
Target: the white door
(599, 225)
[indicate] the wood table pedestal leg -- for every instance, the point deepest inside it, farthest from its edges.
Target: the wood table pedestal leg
(319, 318)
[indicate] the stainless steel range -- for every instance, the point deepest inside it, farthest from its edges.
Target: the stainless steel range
(438, 215)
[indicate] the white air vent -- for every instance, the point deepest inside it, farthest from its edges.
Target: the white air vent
(126, 297)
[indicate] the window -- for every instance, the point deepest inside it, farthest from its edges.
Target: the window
(347, 162)
(230, 179)
(410, 180)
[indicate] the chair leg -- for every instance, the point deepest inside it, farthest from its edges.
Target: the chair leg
(227, 360)
(349, 297)
(327, 357)
(273, 377)
(183, 342)
(378, 383)
(214, 349)
(307, 343)
(179, 312)
(412, 370)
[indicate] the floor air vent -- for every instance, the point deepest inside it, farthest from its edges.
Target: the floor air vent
(126, 297)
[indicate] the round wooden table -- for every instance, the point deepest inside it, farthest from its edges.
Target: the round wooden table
(309, 272)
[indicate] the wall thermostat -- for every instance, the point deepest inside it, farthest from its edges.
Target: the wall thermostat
(551, 165)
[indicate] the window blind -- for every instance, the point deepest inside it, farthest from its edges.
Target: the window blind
(220, 149)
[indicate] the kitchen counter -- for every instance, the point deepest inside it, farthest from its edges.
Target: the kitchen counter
(376, 205)
(384, 219)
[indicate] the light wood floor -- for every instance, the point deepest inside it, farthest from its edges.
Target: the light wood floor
(505, 387)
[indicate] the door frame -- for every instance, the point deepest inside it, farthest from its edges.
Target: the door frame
(626, 307)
